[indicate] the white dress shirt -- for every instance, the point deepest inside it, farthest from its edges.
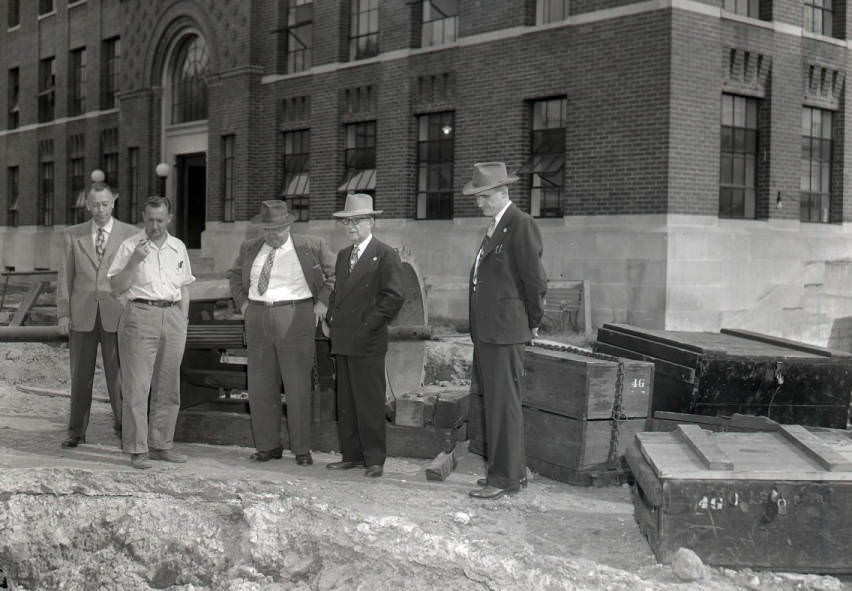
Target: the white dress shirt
(287, 280)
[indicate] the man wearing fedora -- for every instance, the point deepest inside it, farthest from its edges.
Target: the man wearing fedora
(86, 307)
(367, 296)
(507, 287)
(281, 282)
(151, 270)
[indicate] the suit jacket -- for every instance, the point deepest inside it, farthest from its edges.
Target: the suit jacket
(83, 287)
(315, 258)
(365, 302)
(511, 282)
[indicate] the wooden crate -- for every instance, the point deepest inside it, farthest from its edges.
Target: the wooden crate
(736, 371)
(770, 500)
(583, 387)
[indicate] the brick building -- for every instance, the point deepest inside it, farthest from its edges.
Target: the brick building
(688, 158)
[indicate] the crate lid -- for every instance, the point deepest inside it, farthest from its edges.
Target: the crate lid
(790, 453)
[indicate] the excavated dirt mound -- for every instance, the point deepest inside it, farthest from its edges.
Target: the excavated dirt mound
(82, 519)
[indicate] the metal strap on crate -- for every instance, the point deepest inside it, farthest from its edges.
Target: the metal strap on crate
(617, 415)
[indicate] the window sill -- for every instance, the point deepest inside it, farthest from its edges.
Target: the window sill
(47, 14)
(15, 28)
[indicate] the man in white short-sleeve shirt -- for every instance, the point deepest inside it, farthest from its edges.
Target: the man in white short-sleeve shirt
(151, 270)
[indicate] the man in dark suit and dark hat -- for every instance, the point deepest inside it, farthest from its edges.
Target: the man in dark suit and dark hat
(507, 287)
(281, 282)
(367, 296)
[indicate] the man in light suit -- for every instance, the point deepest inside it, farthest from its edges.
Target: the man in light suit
(507, 287)
(367, 296)
(281, 282)
(87, 309)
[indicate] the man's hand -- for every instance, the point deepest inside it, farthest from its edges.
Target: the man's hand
(63, 324)
(535, 333)
(243, 308)
(140, 252)
(320, 310)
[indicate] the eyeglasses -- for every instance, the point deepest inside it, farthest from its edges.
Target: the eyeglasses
(351, 221)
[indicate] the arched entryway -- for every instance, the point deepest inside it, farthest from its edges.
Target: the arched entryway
(185, 133)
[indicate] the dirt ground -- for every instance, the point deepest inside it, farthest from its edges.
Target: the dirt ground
(83, 519)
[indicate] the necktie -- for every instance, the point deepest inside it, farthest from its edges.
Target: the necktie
(265, 273)
(483, 245)
(100, 244)
(353, 258)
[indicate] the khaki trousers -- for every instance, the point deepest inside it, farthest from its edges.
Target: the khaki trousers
(151, 341)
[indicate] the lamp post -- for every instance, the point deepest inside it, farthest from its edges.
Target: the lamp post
(162, 171)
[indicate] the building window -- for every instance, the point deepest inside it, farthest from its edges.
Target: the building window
(749, 8)
(134, 185)
(817, 17)
(546, 165)
(46, 89)
(360, 161)
(228, 178)
(359, 100)
(46, 188)
(296, 188)
(549, 11)
(738, 157)
(77, 82)
(110, 60)
(14, 14)
(76, 179)
(189, 84)
(815, 184)
(13, 119)
(109, 159)
(45, 6)
(440, 22)
(435, 149)
(12, 196)
(364, 29)
(295, 35)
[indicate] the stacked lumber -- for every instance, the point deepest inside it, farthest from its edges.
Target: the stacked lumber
(737, 371)
(580, 410)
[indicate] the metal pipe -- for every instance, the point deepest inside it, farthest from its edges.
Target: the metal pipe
(31, 334)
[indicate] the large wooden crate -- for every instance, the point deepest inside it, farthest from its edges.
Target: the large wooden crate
(771, 500)
(568, 413)
(738, 372)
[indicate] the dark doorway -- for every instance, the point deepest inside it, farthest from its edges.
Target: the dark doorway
(191, 203)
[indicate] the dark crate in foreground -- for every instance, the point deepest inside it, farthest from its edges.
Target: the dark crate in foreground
(774, 500)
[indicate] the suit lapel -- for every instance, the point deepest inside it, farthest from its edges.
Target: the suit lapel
(305, 260)
(366, 263)
(113, 242)
(500, 231)
(249, 261)
(84, 238)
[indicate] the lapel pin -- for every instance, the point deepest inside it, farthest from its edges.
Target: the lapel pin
(505, 230)
(375, 259)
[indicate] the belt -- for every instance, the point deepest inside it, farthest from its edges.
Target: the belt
(158, 303)
(280, 302)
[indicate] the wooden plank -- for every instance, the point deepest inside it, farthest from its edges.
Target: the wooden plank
(786, 343)
(643, 474)
(652, 335)
(664, 351)
(27, 303)
(587, 309)
(668, 421)
(705, 448)
(216, 378)
(442, 466)
(827, 457)
(661, 366)
(591, 476)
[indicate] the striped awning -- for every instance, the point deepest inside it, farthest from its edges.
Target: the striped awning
(543, 164)
(359, 180)
(80, 203)
(297, 184)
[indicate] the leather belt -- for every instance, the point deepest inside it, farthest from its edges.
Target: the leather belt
(280, 302)
(158, 303)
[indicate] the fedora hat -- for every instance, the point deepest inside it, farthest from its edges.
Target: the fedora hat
(273, 214)
(357, 204)
(488, 175)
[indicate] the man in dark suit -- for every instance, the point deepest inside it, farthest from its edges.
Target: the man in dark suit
(281, 282)
(367, 296)
(86, 307)
(507, 287)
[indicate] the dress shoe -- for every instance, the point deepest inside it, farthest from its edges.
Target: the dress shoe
(73, 441)
(166, 455)
(373, 471)
(265, 456)
(344, 465)
(484, 482)
(489, 492)
(140, 461)
(304, 459)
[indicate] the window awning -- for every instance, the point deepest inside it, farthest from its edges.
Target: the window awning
(359, 180)
(80, 203)
(543, 164)
(14, 205)
(297, 184)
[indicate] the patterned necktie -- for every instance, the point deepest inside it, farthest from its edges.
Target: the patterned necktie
(100, 244)
(353, 258)
(265, 273)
